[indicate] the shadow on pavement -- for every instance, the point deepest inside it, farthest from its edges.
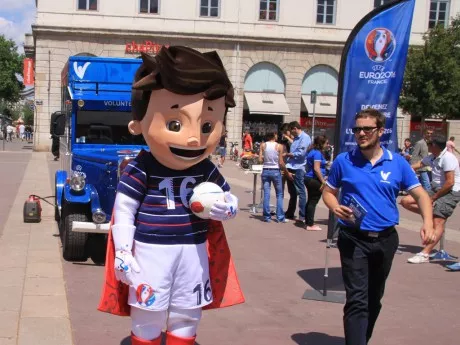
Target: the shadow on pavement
(127, 341)
(315, 338)
(409, 248)
(315, 278)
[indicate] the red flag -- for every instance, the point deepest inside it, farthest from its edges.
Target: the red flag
(28, 73)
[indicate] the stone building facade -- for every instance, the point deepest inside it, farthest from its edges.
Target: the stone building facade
(273, 50)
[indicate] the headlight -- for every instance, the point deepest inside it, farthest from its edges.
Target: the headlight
(77, 181)
(99, 216)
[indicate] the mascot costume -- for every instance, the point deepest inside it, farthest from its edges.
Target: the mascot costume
(164, 264)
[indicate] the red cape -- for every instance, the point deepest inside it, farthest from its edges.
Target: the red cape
(226, 288)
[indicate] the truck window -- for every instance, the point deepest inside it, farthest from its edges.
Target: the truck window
(105, 127)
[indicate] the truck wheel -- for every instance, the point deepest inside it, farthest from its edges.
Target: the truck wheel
(97, 248)
(56, 209)
(73, 243)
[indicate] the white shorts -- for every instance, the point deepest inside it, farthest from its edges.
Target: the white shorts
(171, 275)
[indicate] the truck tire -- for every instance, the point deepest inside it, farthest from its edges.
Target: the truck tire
(97, 248)
(56, 209)
(73, 243)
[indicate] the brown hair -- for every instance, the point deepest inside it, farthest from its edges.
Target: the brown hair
(318, 143)
(181, 70)
(373, 113)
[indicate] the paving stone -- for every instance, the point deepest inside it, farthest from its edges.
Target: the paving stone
(10, 298)
(44, 287)
(44, 306)
(8, 324)
(44, 331)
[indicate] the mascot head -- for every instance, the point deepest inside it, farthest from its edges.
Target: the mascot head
(179, 101)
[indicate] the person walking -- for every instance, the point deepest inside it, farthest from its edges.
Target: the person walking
(370, 178)
(271, 156)
(419, 152)
(450, 145)
(295, 164)
(222, 149)
(286, 140)
(10, 131)
(315, 179)
(22, 131)
(406, 151)
(445, 191)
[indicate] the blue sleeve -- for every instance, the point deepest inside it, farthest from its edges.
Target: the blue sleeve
(133, 181)
(317, 156)
(302, 146)
(214, 176)
(334, 179)
(409, 178)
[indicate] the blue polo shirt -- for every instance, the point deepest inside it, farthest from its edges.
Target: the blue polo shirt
(375, 188)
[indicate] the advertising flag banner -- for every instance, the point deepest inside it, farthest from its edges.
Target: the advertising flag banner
(28, 72)
(372, 70)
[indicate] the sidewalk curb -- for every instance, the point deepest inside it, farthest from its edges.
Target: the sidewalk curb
(34, 282)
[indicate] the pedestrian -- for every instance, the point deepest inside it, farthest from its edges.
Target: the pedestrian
(222, 151)
(271, 156)
(295, 164)
(445, 191)
(247, 142)
(315, 179)
(450, 145)
(419, 152)
(286, 140)
(369, 178)
(10, 131)
(406, 152)
(22, 131)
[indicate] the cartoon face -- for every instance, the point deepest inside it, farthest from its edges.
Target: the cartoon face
(145, 295)
(181, 130)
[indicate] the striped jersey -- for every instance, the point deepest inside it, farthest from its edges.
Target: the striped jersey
(164, 216)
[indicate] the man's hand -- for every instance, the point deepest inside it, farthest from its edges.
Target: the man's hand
(290, 176)
(343, 212)
(125, 264)
(427, 234)
(225, 210)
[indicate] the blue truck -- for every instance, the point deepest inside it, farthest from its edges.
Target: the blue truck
(94, 147)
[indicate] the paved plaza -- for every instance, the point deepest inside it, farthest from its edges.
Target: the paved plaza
(45, 300)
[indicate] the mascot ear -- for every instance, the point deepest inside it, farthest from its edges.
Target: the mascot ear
(134, 127)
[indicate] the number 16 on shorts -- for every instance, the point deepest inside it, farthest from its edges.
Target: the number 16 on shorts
(203, 293)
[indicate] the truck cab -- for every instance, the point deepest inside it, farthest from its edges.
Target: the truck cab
(94, 145)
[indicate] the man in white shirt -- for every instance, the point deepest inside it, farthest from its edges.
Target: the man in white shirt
(22, 131)
(445, 191)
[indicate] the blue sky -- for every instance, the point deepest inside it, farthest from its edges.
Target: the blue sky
(16, 17)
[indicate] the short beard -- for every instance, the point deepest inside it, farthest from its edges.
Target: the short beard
(371, 144)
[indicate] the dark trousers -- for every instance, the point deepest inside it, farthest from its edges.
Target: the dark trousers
(55, 146)
(366, 264)
(314, 194)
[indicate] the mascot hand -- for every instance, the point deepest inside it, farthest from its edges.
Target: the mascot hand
(221, 211)
(125, 264)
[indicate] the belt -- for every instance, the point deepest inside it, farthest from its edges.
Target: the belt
(271, 168)
(370, 234)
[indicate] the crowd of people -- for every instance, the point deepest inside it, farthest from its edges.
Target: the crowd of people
(20, 131)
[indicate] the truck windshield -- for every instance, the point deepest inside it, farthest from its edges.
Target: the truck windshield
(105, 127)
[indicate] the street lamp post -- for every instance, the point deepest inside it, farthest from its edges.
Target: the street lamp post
(313, 101)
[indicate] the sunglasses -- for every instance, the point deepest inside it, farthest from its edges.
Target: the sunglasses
(365, 129)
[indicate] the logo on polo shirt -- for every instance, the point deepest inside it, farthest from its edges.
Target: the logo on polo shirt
(385, 176)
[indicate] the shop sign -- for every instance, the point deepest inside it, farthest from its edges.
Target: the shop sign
(320, 122)
(440, 126)
(146, 47)
(28, 72)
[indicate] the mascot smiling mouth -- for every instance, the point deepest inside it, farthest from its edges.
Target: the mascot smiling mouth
(187, 153)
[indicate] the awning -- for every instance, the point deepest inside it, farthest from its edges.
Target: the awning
(325, 105)
(266, 103)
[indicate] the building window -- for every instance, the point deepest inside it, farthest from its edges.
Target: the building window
(268, 10)
(87, 5)
(148, 6)
(378, 3)
(439, 13)
(209, 8)
(326, 12)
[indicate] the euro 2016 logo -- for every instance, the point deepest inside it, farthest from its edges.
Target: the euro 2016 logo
(380, 44)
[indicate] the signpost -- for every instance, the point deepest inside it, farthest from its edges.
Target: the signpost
(313, 101)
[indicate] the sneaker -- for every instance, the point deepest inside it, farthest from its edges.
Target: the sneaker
(454, 267)
(283, 221)
(313, 228)
(419, 258)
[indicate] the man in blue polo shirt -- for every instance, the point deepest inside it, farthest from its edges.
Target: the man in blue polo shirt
(295, 165)
(370, 178)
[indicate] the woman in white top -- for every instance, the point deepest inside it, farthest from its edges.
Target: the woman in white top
(271, 156)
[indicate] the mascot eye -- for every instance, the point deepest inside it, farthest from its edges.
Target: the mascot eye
(174, 126)
(206, 128)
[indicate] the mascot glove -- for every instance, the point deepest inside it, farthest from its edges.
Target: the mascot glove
(125, 264)
(221, 211)
(123, 236)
